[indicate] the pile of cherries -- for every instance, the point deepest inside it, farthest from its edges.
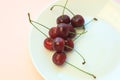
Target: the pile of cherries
(61, 38)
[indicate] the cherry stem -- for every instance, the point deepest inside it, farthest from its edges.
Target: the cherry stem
(62, 7)
(79, 35)
(94, 19)
(37, 22)
(77, 53)
(81, 70)
(40, 24)
(35, 26)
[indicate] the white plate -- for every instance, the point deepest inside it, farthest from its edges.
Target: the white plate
(100, 45)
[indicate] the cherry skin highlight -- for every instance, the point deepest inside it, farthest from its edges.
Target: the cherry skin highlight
(58, 44)
(63, 19)
(69, 45)
(77, 21)
(62, 30)
(59, 58)
(72, 31)
(53, 32)
(48, 43)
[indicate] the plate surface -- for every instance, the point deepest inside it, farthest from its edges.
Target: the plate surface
(100, 45)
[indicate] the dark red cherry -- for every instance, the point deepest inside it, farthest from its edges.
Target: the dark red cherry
(48, 43)
(69, 45)
(62, 30)
(77, 21)
(53, 32)
(63, 19)
(59, 58)
(72, 31)
(58, 44)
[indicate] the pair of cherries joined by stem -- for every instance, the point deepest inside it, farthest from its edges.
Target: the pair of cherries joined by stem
(61, 38)
(76, 21)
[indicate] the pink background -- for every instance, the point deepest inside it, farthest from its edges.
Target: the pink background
(15, 61)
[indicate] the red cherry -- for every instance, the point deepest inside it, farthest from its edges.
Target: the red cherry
(77, 21)
(72, 31)
(62, 30)
(63, 19)
(48, 43)
(69, 45)
(53, 32)
(59, 58)
(58, 44)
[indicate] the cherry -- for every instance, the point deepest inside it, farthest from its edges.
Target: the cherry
(94, 19)
(48, 43)
(62, 30)
(77, 21)
(63, 19)
(59, 58)
(53, 32)
(58, 44)
(69, 45)
(72, 31)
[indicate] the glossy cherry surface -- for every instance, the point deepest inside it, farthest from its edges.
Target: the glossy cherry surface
(62, 30)
(58, 44)
(59, 58)
(69, 45)
(72, 31)
(77, 21)
(53, 32)
(48, 43)
(63, 19)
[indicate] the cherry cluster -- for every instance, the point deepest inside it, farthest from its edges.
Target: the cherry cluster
(61, 36)
(60, 39)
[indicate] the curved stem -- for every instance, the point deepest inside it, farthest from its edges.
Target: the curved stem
(77, 53)
(81, 70)
(30, 20)
(62, 7)
(35, 26)
(79, 35)
(94, 19)
(40, 24)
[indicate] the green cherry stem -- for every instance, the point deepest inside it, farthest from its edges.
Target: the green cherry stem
(81, 70)
(40, 24)
(36, 22)
(79, 35)
(94, 19)
(35, 26)
(31, 21)
(66, 46)
(62, 7)
(78, 54)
